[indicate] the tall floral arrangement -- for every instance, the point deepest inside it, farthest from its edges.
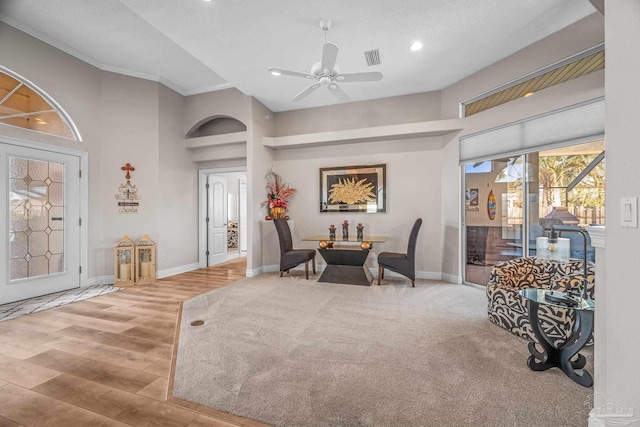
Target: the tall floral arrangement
(278, 191)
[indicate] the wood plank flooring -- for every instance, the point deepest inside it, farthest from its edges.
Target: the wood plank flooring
(106, 361)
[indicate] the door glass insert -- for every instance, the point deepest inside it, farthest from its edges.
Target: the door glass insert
(36, 228)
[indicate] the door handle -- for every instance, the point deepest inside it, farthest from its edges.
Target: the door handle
(56, 218)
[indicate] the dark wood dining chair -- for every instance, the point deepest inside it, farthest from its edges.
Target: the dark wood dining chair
(290, 257)
(404, 264)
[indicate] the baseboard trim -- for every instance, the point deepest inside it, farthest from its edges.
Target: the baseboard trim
(100, 280)
(177, 270)
(451, 278)
(108, 280)
(426, 275)
(255, 272)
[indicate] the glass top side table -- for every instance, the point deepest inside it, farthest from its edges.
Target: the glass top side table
(560, 357)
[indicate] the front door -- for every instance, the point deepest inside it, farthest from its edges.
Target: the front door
(217, 219)
(39, 222)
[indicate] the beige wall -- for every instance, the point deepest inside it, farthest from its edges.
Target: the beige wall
(584, 34)
(424, 178)
(413, 190)
(177, 187)
(124, 120)
(259, 162)
(119, 119)
(617, 319)
(127, 136)
(420, 107)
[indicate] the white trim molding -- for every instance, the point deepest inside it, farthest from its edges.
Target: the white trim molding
(597, 234)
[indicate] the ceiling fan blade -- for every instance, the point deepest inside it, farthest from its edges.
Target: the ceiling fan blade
(329, 55)
(306, 92)
(274, 70)
(372, 76)
(339, 93)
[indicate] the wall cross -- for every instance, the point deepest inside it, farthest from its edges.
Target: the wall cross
(129, 169)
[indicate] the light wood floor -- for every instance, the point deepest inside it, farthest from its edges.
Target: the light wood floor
(106, 361)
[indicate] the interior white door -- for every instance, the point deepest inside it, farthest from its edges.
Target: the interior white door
(39, 222)
(217, 219)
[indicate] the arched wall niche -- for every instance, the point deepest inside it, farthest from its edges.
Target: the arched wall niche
(216, 125)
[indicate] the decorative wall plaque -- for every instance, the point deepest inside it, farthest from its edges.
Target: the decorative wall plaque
(127, 193)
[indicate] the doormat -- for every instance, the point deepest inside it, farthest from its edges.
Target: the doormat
(45, 302)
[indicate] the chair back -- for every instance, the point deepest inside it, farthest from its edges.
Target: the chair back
(413, 238)
(284, 235)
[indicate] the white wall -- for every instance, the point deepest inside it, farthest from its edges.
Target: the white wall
(621, 286)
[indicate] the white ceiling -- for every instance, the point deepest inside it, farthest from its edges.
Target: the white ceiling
(195, 46)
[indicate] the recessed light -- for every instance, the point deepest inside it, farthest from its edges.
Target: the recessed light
(528, 94)
(275, 73)
(415, 46)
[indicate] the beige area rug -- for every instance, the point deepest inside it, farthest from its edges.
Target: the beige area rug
(292, 352)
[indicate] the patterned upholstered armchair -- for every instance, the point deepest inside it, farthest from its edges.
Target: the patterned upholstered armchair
(508, 309)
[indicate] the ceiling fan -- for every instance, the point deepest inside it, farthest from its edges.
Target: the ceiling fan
(326, 72)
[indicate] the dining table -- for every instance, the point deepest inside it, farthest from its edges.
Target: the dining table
(346, 258)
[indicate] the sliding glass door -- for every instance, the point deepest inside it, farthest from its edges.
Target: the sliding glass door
(511, 201)
(493, 215)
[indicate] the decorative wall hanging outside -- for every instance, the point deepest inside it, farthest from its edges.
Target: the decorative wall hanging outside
(491, 206)
(353, 189)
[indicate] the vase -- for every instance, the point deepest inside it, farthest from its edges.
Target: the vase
(277, 212)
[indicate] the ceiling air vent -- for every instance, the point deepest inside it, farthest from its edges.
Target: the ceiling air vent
(373, 57)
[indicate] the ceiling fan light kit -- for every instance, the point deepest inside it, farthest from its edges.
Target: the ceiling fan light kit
(327, 73)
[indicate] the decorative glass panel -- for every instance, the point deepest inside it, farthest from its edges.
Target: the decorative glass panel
(18, 245)
(56, 242)
(56, 264)
(38, 266)
(19, 268)
(38, 243)
(26, 107)
(36, 226)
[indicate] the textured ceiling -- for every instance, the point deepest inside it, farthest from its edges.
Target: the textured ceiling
(195, 46)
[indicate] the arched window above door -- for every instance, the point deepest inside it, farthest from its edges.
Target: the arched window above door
(23, 104)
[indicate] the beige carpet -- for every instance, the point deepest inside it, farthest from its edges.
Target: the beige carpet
(291, 352)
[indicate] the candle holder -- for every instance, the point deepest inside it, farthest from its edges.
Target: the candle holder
(123, 262)
(345, 230)
(360, 232)
(145, 260)
(332, 232)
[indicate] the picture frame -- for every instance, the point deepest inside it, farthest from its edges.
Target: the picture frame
(359, 188)
(471, 197)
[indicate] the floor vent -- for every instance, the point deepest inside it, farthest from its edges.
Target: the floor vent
(373, 57)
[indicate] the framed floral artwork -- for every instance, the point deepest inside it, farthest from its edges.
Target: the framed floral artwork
(353, 189)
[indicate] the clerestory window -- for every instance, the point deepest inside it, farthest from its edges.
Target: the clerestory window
(24, 105)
